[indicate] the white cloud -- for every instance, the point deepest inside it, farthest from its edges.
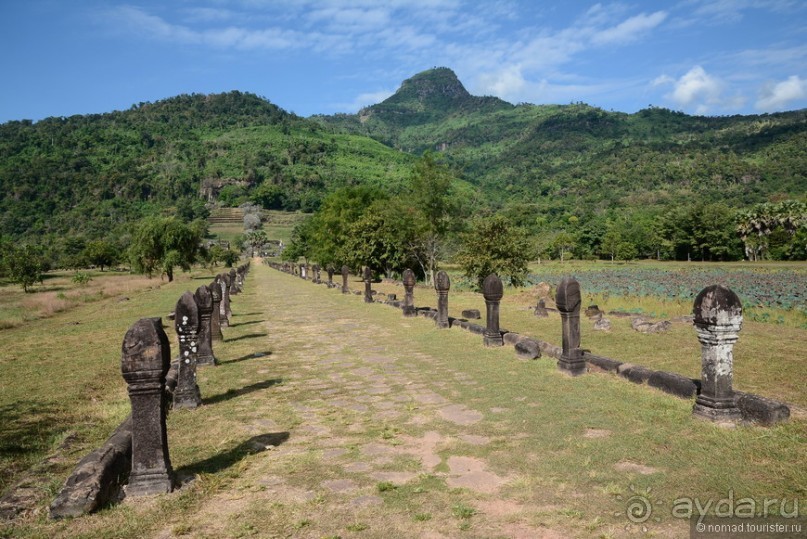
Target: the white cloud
(507, 83)
(777, 96)
(700, 92)
(367, 99)
(697, 89)
(629, 29)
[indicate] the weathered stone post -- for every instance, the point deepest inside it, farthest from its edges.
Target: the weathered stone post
(345, 273)
(223, 320)
(567, 300)
(215, 316)
(409, 309)
(368, 285)
(145, 360)
(204, 302)
(492, 290)
(316, 273)
(330, 275)
(718, 319)
(233, 284)
(442, 284)
(303, 272)
(226, 300)
(186, 323)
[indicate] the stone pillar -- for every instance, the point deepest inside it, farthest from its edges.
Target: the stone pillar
(409, 309)
(232, 283)
(204, 302)
(186, 323)
(442, 284)
(316, 273)
(368, 284)
(492, 290)
(718, 319)
(567, 300)
(330, 270)
(303, 272)
(223, 320)
(145, 360)
(225, 290)
(215, 317)
(345, 272)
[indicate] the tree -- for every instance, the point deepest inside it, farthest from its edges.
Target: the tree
(255, 239)
(380, 238)
(322, 236)
(562, 243)
(430, 192)
(252, 221)
(163, 243)
(494, 246)
(24, 265)
(100, 253)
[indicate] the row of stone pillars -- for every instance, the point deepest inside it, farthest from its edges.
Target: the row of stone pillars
(146, 361)
(717, 320)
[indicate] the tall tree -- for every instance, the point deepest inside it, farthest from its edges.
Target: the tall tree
(494, 245)
(163, 243)
(430, 192)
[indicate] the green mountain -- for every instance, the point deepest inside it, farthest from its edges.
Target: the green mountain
(86, 177)
(91, 176)
(556, 155)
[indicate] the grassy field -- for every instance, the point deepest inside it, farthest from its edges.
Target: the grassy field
(328, 417)
(278, 225)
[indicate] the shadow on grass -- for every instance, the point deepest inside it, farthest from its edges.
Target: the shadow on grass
(233, 393)
(253, 355)
(248, 314)
(26, 428)
(246, 323)
(222, 461)
(247, 336)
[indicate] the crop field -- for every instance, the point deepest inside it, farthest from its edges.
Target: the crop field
(773, 292)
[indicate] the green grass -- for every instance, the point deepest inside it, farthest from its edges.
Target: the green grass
(298, 354)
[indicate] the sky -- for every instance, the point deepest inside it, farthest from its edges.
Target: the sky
(708, 57)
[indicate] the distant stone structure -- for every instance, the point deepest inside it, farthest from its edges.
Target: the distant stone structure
(718, 320)
(215, 317)
(540, 309)
(368, 285)
(330, 271)
(493, 291)
(315, 268)
(442, 284)
(145, 360)
(186, 323)
(204, 302)
(409, 309)
(345, 273)
(567, 300)
(224, 320)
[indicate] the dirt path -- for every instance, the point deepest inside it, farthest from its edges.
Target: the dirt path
(357, 435)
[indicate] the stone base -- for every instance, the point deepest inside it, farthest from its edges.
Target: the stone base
(493, 340)
(206, 360)
(442, 324)
(149, 483)
(572, 367)
(187, 399)
(410, 312)
(717, 411)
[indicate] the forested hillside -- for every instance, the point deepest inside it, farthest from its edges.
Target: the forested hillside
(568, 174)
(552, 155)
(90, 176)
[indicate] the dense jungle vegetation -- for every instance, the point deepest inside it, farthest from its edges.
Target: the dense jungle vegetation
(577, 179)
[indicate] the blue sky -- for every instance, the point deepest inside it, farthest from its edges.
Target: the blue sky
(713, 57)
